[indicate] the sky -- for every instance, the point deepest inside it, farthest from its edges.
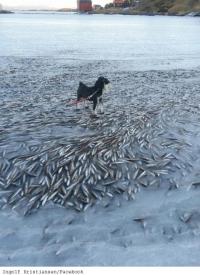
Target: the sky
(46, 3)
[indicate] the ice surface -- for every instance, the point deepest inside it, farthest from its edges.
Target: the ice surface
(162, 225)
(149, 231)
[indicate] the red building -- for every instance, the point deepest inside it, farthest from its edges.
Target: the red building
(119, 3)
(84, 5)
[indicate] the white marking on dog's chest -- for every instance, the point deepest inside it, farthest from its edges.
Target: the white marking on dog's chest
(107, 87)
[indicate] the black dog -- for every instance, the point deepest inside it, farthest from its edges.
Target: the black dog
(94, 93)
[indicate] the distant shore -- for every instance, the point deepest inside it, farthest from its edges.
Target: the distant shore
(137, 12)
(115, 11)
(5, 12)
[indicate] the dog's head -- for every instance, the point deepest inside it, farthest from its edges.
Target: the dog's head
(102, 83)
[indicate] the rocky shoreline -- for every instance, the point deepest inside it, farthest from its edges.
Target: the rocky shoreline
(136, 12)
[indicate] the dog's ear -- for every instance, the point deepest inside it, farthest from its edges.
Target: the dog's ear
(106, 81)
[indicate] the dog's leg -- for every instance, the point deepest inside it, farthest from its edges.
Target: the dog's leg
(94, 104)
(101, 105)
(87, 106)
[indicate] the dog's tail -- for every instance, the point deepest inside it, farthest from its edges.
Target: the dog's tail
(80, 90)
